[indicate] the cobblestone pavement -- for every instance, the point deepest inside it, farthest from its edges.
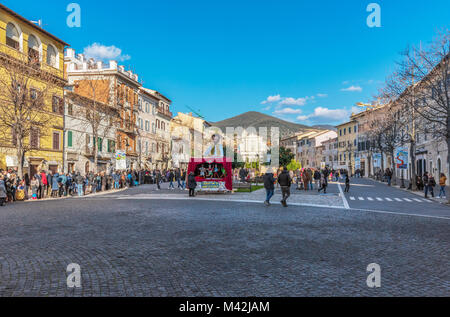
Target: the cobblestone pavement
(129, 247)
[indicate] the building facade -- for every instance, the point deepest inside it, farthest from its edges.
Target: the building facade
(109, 84)
(188, 138)
(309, 149)
(347, 145)
(147, 138)
(33, 54)
(82, 144)
(330, 153)
(162, 158)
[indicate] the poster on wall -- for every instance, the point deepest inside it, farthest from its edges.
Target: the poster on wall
(121, 160)
(12, 161)
(357, 163)
(377, 160)
(401, 158)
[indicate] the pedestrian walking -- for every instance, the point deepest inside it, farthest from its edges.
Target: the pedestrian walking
(192, 184)
(269, 185)
(183, 180)
(158, 180)
(388, 175)
(3, 194)
(80, 182)
(442, 183)
(431, 184)
(426, 188)
(34, 188)
(285, 181)
(347, 184)
(317, 178)
(55, 185)
(323, 183)
(171, 178)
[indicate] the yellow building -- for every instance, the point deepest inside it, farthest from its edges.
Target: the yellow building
(35, 57)
(347, 145)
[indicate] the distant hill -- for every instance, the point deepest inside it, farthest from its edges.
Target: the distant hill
(324, 127)
(257, 119)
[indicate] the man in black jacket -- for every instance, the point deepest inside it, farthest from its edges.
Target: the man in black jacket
(269, 185)
(285, 181)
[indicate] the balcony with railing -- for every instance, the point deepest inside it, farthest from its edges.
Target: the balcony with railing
(164, 112)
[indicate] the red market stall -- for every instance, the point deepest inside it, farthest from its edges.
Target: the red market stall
(212, 174)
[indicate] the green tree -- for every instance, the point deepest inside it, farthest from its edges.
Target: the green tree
(286, 156)
(294, 165)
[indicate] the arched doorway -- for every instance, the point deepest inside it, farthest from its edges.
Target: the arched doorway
(86, 168)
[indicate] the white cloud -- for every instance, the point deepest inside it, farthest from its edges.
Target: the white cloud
(293, 102)
(101, 52)
(352, 88)
(326, 115)
(287, 111)
(322, 95)
(271, 99)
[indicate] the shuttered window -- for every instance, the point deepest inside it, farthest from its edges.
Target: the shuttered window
(56, 141)
(69, 139)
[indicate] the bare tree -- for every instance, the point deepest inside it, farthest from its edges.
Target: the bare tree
(429, 70)
(26, 102)
(374, 134)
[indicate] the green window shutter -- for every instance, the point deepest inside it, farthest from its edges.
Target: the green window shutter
(109, 146)
(100, 145)
(69, 139)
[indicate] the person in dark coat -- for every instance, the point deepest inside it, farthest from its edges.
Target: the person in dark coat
(192, 184)
(285, 181)
(269, 185)
(347, 183)
(3, 194)
(323, 183)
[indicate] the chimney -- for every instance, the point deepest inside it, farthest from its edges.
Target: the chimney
(99, 65)
(70, 52)
(122, 68)
(113, 64)
(81, 57)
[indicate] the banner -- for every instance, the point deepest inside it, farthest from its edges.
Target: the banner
(211, 186)
(401, 158)
(377, 160)
(357, 163)
(121, 160)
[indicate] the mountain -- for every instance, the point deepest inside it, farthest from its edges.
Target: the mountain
(324, 127)
(257, 119)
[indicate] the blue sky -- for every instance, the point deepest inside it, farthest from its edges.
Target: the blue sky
(314, 59)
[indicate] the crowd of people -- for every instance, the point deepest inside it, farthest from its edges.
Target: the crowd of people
(47, 184)
(305, 179)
